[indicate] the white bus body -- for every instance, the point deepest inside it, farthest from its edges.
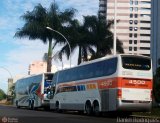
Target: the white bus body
(117, 83)
(32, 92)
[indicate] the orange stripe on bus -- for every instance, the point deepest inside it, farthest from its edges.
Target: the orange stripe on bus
(117, 82)
(136, 83)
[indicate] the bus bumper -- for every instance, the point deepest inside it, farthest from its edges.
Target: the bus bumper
(124, 105)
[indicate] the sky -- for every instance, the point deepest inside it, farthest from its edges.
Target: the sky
(16, 54)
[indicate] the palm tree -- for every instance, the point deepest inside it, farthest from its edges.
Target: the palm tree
(78, 37)
(2, 95)
(92, 37)
(36, 22)
(101, 35)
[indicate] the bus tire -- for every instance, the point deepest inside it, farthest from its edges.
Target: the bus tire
(57, 107)
(80, 112)
(88, 108)
(47, 108)
(17, 104)
(96, 110)
(31, 105)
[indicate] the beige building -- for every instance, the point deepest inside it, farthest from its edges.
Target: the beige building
(38, 67)
(134, 26)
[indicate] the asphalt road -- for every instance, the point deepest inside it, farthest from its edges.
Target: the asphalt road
(10, 114)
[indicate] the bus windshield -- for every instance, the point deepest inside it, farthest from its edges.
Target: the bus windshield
(47, 82)
(136, 63)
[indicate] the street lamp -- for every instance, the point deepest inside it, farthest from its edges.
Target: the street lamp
(115, 24)
(49, 28)
(7, 71)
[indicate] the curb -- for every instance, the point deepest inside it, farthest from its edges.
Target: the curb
(153, 117)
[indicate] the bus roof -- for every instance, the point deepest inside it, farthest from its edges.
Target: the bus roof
(27, 76)
(103, 58)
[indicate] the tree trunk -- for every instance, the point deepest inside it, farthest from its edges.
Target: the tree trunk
(49, 60)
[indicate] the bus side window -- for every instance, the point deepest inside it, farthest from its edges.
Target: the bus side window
(80, 74)
(110, 66)
(90, 72)
(73, 74)
(98, 68)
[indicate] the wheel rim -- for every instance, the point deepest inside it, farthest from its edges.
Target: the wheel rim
(57, 107)
(96, 109)
(88, 109)
(31, 105)
(17, 104)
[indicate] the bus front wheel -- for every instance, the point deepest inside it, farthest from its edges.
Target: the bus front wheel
(17, 104)
(57, 108)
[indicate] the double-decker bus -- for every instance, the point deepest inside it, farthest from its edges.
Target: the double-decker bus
(114, 83)
(31, 91)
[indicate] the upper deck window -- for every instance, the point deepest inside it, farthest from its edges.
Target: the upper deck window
(93, 70)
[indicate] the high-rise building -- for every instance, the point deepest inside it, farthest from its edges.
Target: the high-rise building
(134, 23)
(155, 34)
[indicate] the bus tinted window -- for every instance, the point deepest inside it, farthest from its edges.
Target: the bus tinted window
(136, 63)
(93, 70)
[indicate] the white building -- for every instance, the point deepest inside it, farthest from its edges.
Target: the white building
(134, 26)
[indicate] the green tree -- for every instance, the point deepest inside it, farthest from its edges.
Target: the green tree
(93, 37)
(38, 19)
(101, 35)
(12, 90)
(2, 95)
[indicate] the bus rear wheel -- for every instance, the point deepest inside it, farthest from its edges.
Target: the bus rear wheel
(31, 105)
(96, 109)
(88, 108)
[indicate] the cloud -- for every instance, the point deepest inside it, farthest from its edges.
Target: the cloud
(17, 54)
(18, 60)
(84, 7)
(27, 52)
